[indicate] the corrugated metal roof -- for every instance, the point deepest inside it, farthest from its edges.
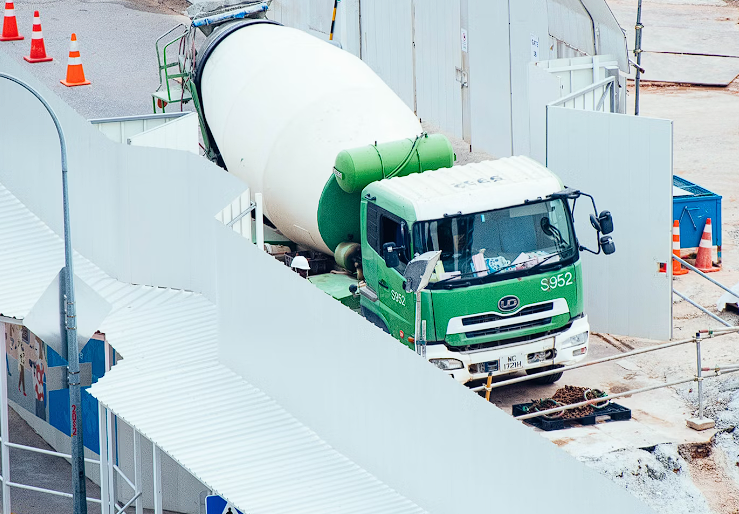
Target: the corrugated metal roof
(170, 386)
(446, 191)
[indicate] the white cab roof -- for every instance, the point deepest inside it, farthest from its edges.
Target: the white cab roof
(503, 183)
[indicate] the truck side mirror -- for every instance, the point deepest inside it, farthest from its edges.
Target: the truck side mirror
(595, 223)
(607, 244)
(390, 255)
(606, 222)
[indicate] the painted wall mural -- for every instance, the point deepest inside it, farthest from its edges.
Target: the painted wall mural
(37, 380)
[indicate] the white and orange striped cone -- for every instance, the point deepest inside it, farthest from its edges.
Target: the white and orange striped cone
(704, 259)
(38, 49)
(677, 268)
(75, 73)
(10, 26)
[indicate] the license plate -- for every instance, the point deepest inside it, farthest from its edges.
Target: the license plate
(511, 362)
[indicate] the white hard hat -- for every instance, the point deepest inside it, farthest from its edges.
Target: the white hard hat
(300, 262)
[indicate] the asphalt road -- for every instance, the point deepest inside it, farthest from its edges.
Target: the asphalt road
(116, 41)
(43, 471)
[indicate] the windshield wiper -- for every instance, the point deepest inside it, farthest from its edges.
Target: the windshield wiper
(558, 254)
(456, 277)
(491, 273)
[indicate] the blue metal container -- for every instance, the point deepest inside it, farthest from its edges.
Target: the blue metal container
(691, 206)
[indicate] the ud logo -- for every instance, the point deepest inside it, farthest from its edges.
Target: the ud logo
(508, 303)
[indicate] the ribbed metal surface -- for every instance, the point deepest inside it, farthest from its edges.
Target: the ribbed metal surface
(30, 256)
(170, 387)
(447, 191)
(237, 440)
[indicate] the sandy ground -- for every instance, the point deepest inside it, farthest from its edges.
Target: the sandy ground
(654, 455)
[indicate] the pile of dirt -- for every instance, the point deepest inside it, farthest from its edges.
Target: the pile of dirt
(658, 475)
(568, 395)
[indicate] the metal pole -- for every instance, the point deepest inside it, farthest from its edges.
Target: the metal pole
(103, 438)
(700, 375)
(604, 398)
(69, 321)
(597, 361)
(637, 53)
(417, 334)
(137, 481)
(259, 221)
(157, 463)
(4, 428)
(701, 308)
(693, 268)
(333, 21)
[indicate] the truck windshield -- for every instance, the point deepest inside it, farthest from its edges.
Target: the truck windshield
(498, 243)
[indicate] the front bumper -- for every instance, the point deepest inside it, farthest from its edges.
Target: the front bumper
(517, 357)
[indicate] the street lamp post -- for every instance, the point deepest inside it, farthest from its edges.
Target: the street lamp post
(68, 322)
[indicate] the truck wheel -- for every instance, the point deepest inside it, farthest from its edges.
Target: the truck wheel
(374, 319)
(549, 379)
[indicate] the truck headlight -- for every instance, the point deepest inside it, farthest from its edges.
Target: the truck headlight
(575, 340)
(446, 364)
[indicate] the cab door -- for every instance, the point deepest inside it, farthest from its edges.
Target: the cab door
(396, 306)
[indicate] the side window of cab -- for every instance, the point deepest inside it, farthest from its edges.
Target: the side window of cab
(384, 227)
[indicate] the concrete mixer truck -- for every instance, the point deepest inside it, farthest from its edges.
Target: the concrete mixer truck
(346, 170)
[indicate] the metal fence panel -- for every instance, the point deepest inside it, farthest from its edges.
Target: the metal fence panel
(490, 84)
(438, 56)
(625, 162)
(387, 44)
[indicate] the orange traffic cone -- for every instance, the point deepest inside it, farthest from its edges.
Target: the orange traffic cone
(75, 73)
(10, 27)
(677, 268)
(703, 260)
(38, 49)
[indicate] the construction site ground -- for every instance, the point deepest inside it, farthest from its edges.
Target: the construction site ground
(671, 467)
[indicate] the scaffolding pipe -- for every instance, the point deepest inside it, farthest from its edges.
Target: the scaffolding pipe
(584, 364)
(48, 452)
(701, 308)
(637, 53)
(712, 333)
(49, 491)
(699, 378)
(693, 268)
(128, 504)
(612, 397)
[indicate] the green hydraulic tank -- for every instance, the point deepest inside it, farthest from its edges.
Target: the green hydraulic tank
(359, 167)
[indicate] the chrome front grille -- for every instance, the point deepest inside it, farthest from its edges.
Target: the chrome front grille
(486, 318)
(509, 328)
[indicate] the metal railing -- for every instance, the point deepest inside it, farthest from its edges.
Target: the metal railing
(711, 280)
(700, 336)
(609, 87)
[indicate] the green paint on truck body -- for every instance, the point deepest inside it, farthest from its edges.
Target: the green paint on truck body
(358, 167)
(338, 208)
(386, 217)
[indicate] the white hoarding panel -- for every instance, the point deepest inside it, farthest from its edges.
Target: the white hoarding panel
(387, 44)
(178, 134)
(625, 162)
(124, 216)
(527, 17)
(437, 28)
(544, 88)
(490, 83)
(382, 406)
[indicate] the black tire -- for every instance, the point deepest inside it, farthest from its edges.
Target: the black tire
(374, 319)
(549, 379)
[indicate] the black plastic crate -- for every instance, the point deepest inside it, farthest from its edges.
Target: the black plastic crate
(318, 262)
(614, 411)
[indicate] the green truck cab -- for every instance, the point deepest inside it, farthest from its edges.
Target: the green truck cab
(506, 293)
